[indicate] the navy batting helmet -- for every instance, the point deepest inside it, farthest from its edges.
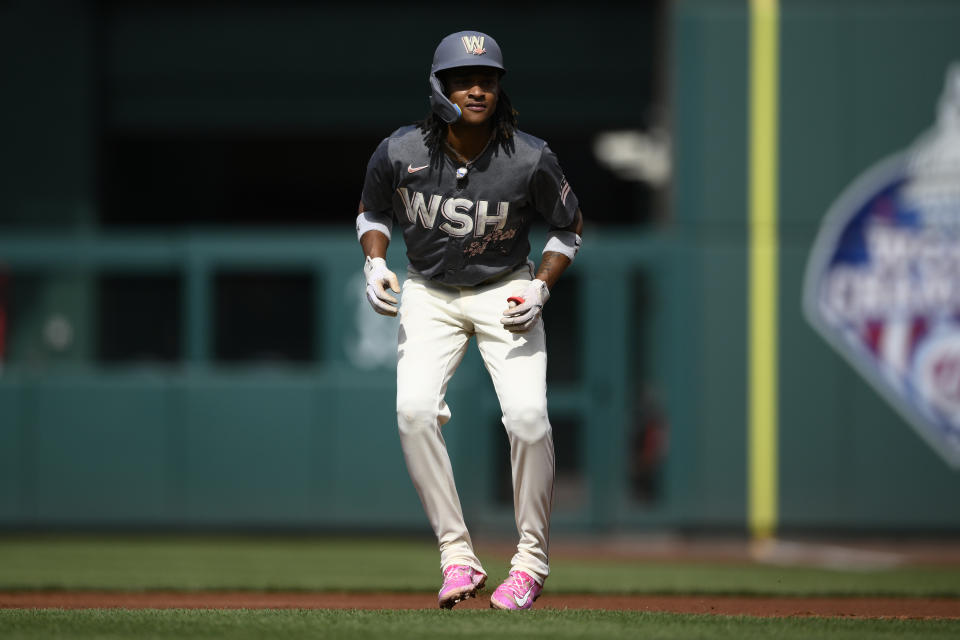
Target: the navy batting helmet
(461, 49)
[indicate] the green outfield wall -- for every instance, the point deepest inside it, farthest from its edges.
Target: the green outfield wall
(201, 443)
(648, 333)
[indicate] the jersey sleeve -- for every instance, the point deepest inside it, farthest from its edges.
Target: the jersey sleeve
(551, 193)
(378, 185)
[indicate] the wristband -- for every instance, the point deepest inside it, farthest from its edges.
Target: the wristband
(370, 221)
(565, 242)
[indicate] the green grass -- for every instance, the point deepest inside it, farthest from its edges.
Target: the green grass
(198, 563)
(400, 625)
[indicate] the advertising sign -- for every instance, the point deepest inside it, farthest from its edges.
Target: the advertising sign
(883, 279)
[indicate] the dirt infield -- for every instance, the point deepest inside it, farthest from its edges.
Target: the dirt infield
(720, 605)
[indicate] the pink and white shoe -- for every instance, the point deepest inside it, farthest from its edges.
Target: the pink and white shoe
(517, 592)
(459, 583)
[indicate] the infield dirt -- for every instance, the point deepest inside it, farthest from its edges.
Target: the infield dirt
(856, 607)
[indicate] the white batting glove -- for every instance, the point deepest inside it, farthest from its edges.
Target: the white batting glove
(377, 276)
(525, 308)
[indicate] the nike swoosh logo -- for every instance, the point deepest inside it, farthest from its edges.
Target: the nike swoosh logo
(413, 169)
(522, 602)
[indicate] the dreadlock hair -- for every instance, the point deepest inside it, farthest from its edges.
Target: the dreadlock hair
(504, 125)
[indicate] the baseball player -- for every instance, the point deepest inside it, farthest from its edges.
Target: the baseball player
(464, 186)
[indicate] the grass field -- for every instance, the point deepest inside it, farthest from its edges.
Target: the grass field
(204, 563)
(404, 625)
(391, 565)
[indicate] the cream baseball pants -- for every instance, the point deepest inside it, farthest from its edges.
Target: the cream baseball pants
(436, 323)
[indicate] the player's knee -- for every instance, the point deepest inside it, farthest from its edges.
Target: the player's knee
(529, 424)
(415, 417)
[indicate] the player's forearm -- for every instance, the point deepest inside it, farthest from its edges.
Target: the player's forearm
(374, 244)
(553, 264)
(373, 231)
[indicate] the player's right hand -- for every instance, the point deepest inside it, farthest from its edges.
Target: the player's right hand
(377, 276)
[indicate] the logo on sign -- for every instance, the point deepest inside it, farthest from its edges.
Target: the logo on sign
(883, 279)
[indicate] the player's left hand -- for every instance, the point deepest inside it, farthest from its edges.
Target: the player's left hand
(528, 307)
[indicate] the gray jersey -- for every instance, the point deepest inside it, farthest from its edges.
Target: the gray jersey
(463, 232)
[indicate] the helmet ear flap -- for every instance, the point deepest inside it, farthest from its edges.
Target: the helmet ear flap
(439, 102)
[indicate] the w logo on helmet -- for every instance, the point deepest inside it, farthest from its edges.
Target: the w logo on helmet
(474, 45)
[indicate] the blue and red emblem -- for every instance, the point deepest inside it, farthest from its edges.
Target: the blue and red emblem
(883, 280)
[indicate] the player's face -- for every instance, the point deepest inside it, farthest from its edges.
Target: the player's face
(475, 90)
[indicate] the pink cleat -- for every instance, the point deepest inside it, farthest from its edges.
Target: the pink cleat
(459, 583)
(517, 592)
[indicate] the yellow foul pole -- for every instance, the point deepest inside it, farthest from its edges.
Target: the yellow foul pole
(762, 362)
